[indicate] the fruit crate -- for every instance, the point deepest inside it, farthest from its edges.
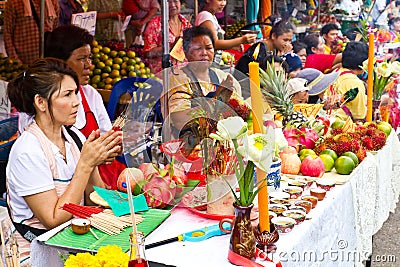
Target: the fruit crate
(8, 128)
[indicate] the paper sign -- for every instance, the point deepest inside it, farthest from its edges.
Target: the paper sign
(5, 105)
(294, 12)
(86, 20)
(126, 22)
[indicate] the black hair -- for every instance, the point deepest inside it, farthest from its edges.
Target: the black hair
(297, 46)
(351, 33)
(190, 33)
(328, 27)
(43, 77)
(279, 26)
(311, 41)
(276, 59)
(354, 55)
(63, 40)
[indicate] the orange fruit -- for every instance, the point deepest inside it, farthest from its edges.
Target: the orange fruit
(352, 156)
(344, 165)
(329, 152)
(328, 161)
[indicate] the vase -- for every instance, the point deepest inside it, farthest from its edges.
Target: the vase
(375, 109)
(274, 173)
(219, 194)
(242, 240)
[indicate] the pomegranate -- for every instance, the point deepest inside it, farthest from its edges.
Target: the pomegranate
(290, 163)
(312, 166)
(135, 175)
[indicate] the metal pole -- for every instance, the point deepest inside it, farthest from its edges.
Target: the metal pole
(166, 63)
(41, 30)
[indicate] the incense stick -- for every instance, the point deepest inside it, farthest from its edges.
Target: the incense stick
(131, 205)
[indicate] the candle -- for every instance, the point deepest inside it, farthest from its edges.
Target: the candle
(256, 106)
(370, 87)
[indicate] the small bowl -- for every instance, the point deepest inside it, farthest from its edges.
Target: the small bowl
(282, 201)
(325, 183)
(272, 215)
(305, 204)
(293, 191)
(293, 207)
(299, 183)
(279, 194)
(318, 192)
(277, 208)
(298, 215)
(310, 180)
(80, 226)
(283, 224)
(312, 199)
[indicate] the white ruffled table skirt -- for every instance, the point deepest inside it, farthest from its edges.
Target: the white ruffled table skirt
(339, 233)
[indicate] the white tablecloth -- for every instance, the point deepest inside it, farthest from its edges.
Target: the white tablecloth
(339, 233)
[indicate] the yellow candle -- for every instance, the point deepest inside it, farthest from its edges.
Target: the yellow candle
(256, 106)
(370, 87)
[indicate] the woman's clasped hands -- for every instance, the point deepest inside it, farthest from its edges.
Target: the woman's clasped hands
(99, 149)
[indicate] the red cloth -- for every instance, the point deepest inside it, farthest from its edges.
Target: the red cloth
(321, 62)
(130, 7)
(109, 172)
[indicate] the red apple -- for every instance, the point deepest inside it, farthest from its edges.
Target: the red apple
(312, 166)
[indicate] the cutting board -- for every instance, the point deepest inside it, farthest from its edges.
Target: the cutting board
(87, 242)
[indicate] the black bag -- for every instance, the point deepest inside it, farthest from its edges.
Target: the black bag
(243, 63)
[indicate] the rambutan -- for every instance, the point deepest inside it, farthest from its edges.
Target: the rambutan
(361, 153)
(336, 131)
(367, 143)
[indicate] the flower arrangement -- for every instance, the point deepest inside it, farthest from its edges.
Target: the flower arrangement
(383, 73)
(107, 256)
(250, 151)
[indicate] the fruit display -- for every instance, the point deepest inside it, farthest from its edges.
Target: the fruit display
(227, 59)
(231, 30)
(110, 65)
(10, 68)
(339, 45)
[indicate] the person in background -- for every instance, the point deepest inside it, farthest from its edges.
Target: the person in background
(354, 55)
(206, 18)
(67, 8)
(329, 32)
(280, 37)
(294, 63)
(108, 14)
(379, 15)
(71, 44)
(300, 49)
(298, 90)
(316, 58)
(46, 169)
(21, 27)
(153, 35)
(395, 28)
(279, 43)
(317, 82)
(142, 11)
(198, 80)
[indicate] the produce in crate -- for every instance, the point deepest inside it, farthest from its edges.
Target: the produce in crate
(10, 68)
(274, 89)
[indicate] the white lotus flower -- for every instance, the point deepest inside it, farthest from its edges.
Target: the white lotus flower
(384, 69)
(230, 128)
(396, 67)
(258, 148)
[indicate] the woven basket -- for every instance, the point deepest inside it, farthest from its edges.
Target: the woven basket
(8, 128)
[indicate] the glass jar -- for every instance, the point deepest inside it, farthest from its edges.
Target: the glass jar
(137, 257)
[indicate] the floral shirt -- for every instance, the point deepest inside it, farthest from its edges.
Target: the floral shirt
(105, 27)
(153, 38)
(21, 33)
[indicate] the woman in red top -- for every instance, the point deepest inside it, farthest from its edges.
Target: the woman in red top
(316, 58)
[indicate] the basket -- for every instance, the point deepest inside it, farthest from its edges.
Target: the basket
(8, 128)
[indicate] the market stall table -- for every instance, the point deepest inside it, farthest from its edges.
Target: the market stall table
(339, 233)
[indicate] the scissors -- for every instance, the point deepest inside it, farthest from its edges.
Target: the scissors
(194, 236)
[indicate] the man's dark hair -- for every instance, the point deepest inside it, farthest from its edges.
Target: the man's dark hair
(61, 42)
(297, 46)
(354, 55)
(311, 40)
(328, 27)
(190, 33)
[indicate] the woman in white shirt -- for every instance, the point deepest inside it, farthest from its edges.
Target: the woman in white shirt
(46, 169)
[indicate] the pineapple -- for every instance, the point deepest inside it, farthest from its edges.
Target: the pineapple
(273, 87)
